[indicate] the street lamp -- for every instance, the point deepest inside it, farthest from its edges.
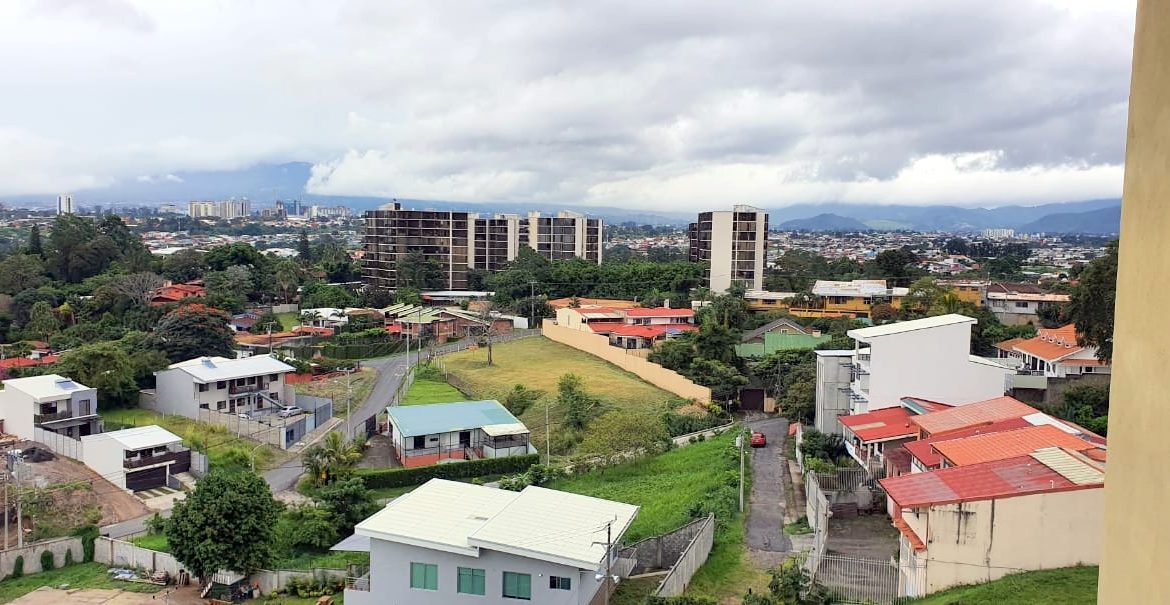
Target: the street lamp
(252, 456)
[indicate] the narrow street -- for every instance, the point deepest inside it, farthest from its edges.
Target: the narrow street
(767, 544)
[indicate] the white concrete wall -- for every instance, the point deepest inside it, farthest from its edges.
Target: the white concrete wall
(106, 457)
(931, 363)
(175, 393)
(721, 242)
(17, 410)
(831, 401)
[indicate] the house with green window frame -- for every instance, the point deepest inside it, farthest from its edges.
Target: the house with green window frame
(449, 542)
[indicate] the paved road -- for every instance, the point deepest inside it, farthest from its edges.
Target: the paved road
(766, 540)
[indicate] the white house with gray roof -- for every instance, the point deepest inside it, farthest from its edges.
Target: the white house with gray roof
(51, 402)
(430, 434)
(223, 385)
(448, 543)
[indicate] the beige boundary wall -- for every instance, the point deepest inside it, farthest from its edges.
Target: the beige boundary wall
(598, 346)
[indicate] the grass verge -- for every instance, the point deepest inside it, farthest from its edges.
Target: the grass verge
(289, 321)
(220, 445)
(82, 575)
(426, 390)
(1048, 587)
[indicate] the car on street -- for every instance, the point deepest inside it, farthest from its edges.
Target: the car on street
(290, 410)
(759, 440)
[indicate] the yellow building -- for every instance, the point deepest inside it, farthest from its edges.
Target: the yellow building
(968, 290)
(853, 299)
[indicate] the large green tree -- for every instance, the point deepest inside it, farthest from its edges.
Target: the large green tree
(1092, 303)
(227, 523)
(192, 331)
(414, 270)
(723, 379)
(106, 367)
(42, 322)
(21, 272)
(184, 265)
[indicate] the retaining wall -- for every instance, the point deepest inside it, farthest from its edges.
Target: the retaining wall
(119, 553)
(32, 555)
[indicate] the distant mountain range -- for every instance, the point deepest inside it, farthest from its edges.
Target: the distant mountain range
(268, 182)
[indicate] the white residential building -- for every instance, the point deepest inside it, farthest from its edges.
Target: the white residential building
(136, 459)
(834, 375)
(221, 384)
(65, 204)
(449, 543)
(734, 244)
(50, 402)
(926, 358)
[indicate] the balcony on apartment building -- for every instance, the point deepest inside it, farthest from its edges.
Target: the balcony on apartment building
(49, 415)
(177, 454)
(243, 389)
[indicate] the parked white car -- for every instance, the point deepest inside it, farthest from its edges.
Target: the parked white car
(290, 410)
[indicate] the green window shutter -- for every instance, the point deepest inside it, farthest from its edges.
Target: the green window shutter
(424, 576)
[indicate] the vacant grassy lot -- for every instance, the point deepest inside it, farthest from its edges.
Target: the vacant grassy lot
(82, 575)
(289, 321)
(538, 363)
(339, 388)
(220, 445)
(426, 390)
(668, 488)
(153, 542)
(1068, 586)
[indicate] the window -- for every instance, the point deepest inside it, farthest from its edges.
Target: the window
(471, 581)
(83, 407)
(273, 377)
(1021, 304)
(420, 442)
(517, 586)
(219, 405)
(222, 384)
(560, 583)
(424, 576)
(202, 388)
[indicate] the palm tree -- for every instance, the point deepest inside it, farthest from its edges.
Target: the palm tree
(333, 458)
(310, 317)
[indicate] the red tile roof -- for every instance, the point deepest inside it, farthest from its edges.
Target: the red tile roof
(315, 330)
(25, 362)
(659, 312)
(597, 311)
(655, 331)
(972, 414)
(604, 327)
(1008, 444)
(1017, 476)
(880, 425)
(929, 458)
(915, 542)
(1051, 344)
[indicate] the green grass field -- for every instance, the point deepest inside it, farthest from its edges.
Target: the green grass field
(424, 390)
(538, 363)
(82, 575)
(1067, 586)
(289, 321)
(219, 444)
(666, 487)
(339, 388)
(153, 542)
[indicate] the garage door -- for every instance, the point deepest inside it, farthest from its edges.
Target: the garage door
(146, 479)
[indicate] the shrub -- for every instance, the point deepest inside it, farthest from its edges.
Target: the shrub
(156, 524)
(817, 465)
(88, 535)
(18, 566)
(47, 560)
(537, 475)
(69, 558)
(402, 477)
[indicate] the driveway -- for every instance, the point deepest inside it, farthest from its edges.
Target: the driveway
(767, 544)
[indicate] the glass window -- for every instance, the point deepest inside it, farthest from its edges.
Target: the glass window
(471, 581)
(560, 583)
(222, 384)
(420, 442)
(517, 586)
(424, 576)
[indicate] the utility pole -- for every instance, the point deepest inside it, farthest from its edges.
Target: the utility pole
(608, 577)
(547, 434)
(532, 304)
(348, 400)
(6, 480)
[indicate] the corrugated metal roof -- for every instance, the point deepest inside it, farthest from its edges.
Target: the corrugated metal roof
(879, 425)
(1069, 467)
(924, 452)
(864, 334)
(211, 369)
(435, 418)
(1018, 476)
(1007, 444)
(980, 412)
(140, 437)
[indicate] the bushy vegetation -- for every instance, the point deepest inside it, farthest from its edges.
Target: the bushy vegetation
(1048, 587)
(401, 477)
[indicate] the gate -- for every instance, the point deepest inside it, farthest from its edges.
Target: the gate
(751, 400)
(855, 580)
(147, 479)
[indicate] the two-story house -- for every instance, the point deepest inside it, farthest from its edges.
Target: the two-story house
(449, 543)
(1054, 353)
(51, 402)
(223, 385)
(1019, 304)
(629, 328)
(138, 458)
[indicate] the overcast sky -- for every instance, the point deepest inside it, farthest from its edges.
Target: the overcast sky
(669, 105)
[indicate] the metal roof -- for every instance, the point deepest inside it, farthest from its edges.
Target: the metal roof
(435, 418)
(48, 387)
(971, 414)
(139, 437)
(537, 523)
(212, 369)
(857, 287)
(1069, 467)
(1020, 476)
(901, 327)
(1007, 444)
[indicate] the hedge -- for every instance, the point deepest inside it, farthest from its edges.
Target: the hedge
(402, 477)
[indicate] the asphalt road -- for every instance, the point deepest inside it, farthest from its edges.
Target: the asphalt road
(765, 522)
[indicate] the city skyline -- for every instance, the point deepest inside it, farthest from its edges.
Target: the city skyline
(676, 106)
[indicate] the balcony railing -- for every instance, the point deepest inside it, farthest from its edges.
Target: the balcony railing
(863, 357)
(358, 578)
(53, 417)
(181, 458)
(246, 388)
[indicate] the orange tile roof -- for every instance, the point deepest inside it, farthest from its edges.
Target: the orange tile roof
(880, 425)
(929, 458)
(1082, 362)
(980, 412)
(659, 312)
(1009, 345)
(1051, 344)
(1008, 444)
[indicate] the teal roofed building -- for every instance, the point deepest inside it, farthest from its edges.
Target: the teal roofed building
(450, 432)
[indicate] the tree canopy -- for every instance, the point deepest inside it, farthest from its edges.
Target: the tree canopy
(1092, 302)
(192, 331)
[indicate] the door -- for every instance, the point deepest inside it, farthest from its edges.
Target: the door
(146, 479)
(464, 438)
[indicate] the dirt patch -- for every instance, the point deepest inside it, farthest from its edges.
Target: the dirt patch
(68, 494)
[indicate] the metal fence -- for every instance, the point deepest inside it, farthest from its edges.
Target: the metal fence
(855, 580)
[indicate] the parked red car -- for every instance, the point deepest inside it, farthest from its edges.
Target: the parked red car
(759, 440)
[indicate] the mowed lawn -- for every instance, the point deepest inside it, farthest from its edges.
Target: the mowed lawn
(425, 390)
(1067, 586)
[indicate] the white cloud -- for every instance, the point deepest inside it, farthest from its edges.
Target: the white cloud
(668, 104)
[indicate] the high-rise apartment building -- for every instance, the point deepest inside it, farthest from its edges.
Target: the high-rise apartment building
(227, 209)
(734, 244)
(65, 204)
(461, 241)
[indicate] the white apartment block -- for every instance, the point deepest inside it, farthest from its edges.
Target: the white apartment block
(226, 209)
(734, 244)
(224, 385)
(925, 358)
(65, 204)
(52, 403)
